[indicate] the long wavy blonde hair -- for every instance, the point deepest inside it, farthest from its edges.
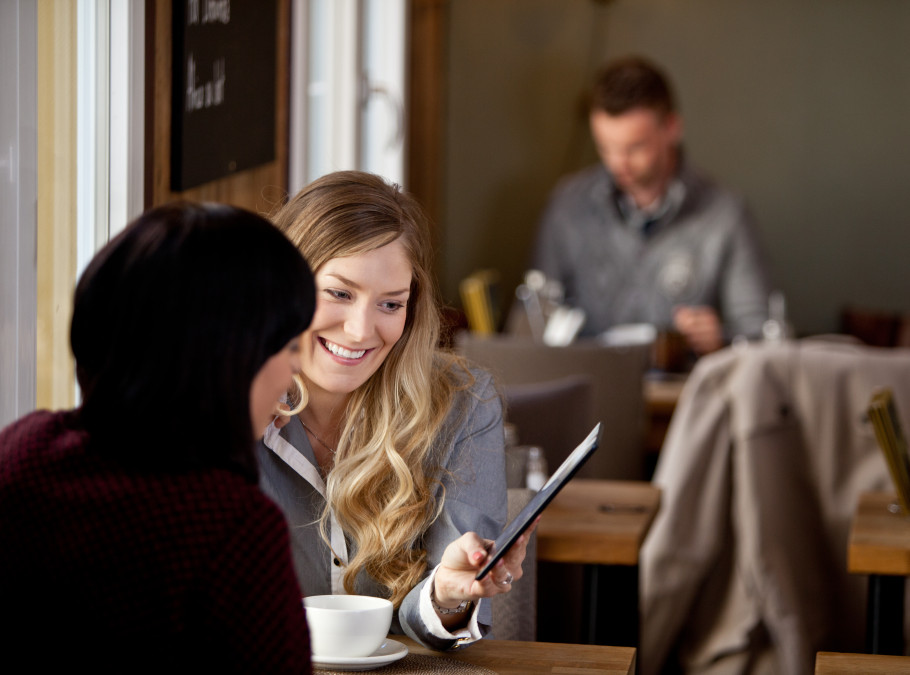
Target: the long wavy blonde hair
(381, 488)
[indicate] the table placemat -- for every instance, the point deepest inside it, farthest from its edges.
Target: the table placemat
(421, 664)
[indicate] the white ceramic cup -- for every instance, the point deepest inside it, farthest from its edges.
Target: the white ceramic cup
(347, 625)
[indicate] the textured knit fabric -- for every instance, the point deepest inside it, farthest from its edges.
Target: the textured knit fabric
(701, 251)
(117, 570)
(473, 465)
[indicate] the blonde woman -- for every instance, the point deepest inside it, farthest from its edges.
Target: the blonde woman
(392, 474)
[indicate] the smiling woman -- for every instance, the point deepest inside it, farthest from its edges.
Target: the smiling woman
(393, 475)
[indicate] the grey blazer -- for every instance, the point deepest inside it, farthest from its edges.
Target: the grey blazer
(475, 500)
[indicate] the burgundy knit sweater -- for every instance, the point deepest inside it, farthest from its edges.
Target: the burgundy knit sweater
(118, 569)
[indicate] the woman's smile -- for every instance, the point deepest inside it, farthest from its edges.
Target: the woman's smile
(341, 352)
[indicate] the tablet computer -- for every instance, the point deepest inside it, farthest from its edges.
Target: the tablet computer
(539, 502)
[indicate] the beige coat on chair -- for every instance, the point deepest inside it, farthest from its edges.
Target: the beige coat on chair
(745, 567)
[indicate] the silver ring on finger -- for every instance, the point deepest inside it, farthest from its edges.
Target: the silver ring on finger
(505, 582)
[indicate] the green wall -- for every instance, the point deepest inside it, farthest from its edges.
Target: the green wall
(800, 105)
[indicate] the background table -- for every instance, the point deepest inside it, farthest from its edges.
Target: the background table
(602, 525)
(880, 547)
(661, 392)
(508, 657)
(834, 663)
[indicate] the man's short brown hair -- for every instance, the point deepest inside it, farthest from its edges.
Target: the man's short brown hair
(629, 83)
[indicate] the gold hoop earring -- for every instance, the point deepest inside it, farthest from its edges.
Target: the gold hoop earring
(302, 393)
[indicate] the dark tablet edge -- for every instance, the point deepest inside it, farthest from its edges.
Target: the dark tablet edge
(540, 501)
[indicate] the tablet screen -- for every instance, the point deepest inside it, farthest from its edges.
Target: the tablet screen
(537, 504)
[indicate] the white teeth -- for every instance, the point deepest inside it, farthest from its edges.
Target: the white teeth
(344, 353)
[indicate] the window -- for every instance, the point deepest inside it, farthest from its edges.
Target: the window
(347, 88)
(18, 195)
(71, 140)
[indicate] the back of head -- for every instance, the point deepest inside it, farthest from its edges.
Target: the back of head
(347, 213)
(630, 83)
(171, 322)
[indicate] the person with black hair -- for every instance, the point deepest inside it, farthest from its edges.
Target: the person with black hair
(133, 531)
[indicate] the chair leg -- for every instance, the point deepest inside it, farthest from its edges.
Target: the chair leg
(885, 614)
(611, 609)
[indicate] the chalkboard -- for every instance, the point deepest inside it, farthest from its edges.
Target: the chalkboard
(223, 98)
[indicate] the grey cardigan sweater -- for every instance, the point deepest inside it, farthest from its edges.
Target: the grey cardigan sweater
(473, 474)
(702, 250)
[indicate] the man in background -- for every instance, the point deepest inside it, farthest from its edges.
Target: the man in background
(642, 236)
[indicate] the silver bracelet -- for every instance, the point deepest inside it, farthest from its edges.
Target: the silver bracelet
(447, 610)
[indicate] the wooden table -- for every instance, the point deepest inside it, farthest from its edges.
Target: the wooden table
(510, 657)
(602, 525)
(834, 663)
(880, 547)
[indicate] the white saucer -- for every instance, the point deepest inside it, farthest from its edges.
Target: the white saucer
(390, 651)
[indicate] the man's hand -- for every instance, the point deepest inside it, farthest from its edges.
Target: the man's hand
(701, 327)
